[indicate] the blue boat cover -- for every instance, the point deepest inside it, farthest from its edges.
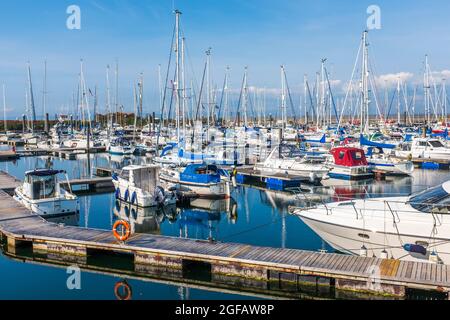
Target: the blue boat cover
(322, 140)
(200, 173)
(365, 142)
(44, 173)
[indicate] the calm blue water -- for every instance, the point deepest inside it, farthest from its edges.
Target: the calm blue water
(253, 217)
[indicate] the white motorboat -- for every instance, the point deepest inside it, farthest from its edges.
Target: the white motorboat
(393, 166)
(424, 149)
(207, 181)
(415, 227)
(121, 146)
(42, 193)
(286, 159)
(140, 186)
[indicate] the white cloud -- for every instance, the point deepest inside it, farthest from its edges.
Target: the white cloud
(439, 75)
(391, 79)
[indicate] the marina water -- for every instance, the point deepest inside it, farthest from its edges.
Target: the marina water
(253, 216)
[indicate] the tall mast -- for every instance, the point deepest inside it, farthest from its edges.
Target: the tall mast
(160, 93)
(84, 95)
(318, 103)
(208, 91)
(44, 92)
(141, 98)
(108, 99)
(305, 101)
(444, 93)
(31, 97)
(225, 108)
(177, 72)
(427, 91)
(322, 92)
(5, 125)
(183, 79)
(95, 103)
(398, 101)
(365, 86)
(283, 98)
(135, 112)
(244, 97)
(117, 91)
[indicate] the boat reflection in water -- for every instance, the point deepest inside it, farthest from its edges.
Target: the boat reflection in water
(202, 218)
(144, 220)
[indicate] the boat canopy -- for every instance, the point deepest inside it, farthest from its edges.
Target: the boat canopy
(200, 173)
(43, 172)
(349, 157)
(366, 142)
(170, 146)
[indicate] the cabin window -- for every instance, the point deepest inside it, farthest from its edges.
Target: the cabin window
(436, 144)
(423, 144)
(406, 147)
(125, 175)
(341, 155)
(357, 155)
(43, 187)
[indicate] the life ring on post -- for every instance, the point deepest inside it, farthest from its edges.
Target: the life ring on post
(125, 231)
(123, 291)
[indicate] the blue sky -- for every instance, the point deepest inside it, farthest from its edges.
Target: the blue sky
(260, 34)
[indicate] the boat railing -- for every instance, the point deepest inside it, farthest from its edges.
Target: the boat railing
(304, 196)
(395, 215)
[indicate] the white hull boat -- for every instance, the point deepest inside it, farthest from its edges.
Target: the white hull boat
(42, 194)
(414, 228)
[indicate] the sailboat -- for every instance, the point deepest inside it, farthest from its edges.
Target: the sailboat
(286, 159)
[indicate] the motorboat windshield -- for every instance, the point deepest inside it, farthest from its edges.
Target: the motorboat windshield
(434, 200)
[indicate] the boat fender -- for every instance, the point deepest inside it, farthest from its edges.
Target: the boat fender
(312, 177)
(134, 198)
(118, 206)
(414, 248)
(127, 195)
(134, 213)
(114, 176)
(117, 193)
(363, 251)
(125, 232)
(127, 211)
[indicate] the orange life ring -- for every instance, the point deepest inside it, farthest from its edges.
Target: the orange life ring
(126, 295)
(126, 226)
